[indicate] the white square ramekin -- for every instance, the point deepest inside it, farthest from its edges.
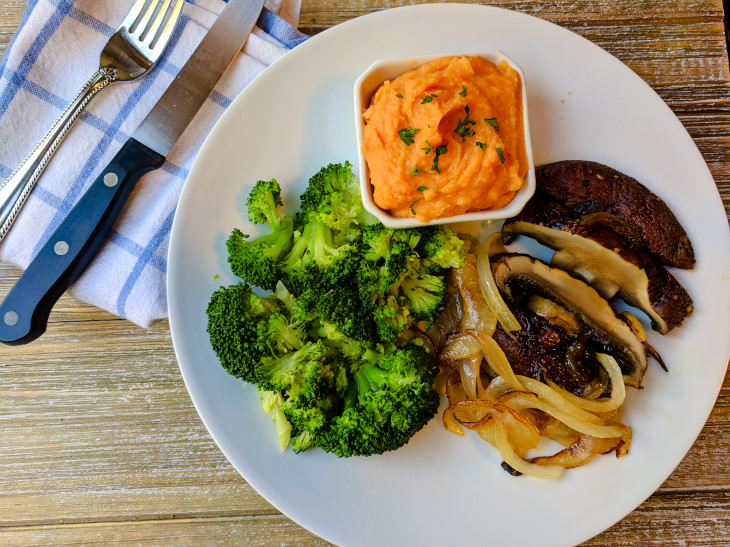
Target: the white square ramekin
(388, 69)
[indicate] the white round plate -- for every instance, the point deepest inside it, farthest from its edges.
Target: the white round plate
(442, 489)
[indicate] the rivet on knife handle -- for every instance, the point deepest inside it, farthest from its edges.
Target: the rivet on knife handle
(24, 312)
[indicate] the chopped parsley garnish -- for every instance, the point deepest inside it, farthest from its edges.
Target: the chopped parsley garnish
(463, 91)
(399, 95)
(416, 171)
(422, 188)
(412, 204)
(500, 154)
(407, 135)
(441, 149)
(493, 122)
(427, 148)
(462, 127)
(482, 145)
(428, 98)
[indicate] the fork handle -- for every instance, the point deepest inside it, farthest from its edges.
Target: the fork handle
(16, 188)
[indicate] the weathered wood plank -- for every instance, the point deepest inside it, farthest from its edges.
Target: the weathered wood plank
(661, 521)
(318, 15)
(228, 530)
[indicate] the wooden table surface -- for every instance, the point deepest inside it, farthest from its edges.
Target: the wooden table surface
(99, 441)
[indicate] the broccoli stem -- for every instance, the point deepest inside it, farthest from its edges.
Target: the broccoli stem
(375, 375)
(350, 397)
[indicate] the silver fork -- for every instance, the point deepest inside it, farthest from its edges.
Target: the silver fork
(130, 53)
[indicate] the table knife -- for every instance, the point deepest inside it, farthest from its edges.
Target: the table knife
(25, 310)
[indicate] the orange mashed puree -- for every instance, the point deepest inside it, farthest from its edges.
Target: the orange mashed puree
(446, 138)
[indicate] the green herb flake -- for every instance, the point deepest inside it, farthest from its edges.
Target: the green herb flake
(412, 209)
(406, 135)
(422, 188)
(482, 145)
(500, 154)
(427, 149)
(463, 91)
(462, 127)
(428, 98)
(440, 150)
(399, 95)
(493, 122)
(416, 171)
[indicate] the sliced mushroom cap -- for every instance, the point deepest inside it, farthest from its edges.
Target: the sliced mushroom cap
(600, 252)
(529, 275)
(583, 187)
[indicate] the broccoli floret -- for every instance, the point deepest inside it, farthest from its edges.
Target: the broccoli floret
(388, 401)
(400, 276)
(442, 247)
(391, 317)
(257, 261)
(318, 259)
(321, 270)
(333, 198)
(426, 296)
(341, 307)
(300, 373)
(344, 345)
(386, 253)
(284, 334)
(236, 318)
(262, 202)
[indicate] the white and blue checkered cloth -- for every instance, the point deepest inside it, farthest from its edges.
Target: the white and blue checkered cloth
(55, 50)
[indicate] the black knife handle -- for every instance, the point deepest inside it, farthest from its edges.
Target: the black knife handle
(25, 310)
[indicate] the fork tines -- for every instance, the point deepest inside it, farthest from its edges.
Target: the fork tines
(152, 21)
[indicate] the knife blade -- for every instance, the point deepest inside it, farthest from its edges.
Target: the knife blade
(25, 310)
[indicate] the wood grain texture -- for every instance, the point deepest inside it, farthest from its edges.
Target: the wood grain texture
(100, 443)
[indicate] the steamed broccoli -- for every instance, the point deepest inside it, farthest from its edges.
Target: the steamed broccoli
(323, 388)
(390, 398)
(236, 318)
(330, 348)
(299, 373)
(257, 261)
(318, 257)
(333, 198)
(400, 275)
(441, 247)
(425, 296)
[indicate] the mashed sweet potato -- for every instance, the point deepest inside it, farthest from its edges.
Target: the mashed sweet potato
(446, 138)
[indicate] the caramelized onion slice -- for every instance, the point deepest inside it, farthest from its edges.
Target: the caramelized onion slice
(477, 415)
(463, 353)
(477, 314)
(489, 287)
(499, 363)
(558, 431)
(520, 400)
(469, 343)
(604, 404)
(454, 390)
(580, 452)
(553, 397)
(519, 464)
(498, 386)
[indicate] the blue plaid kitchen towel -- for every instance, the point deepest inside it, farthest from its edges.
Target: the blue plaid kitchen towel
(55, 51)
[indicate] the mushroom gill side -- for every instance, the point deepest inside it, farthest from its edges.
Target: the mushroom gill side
(521, 277)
